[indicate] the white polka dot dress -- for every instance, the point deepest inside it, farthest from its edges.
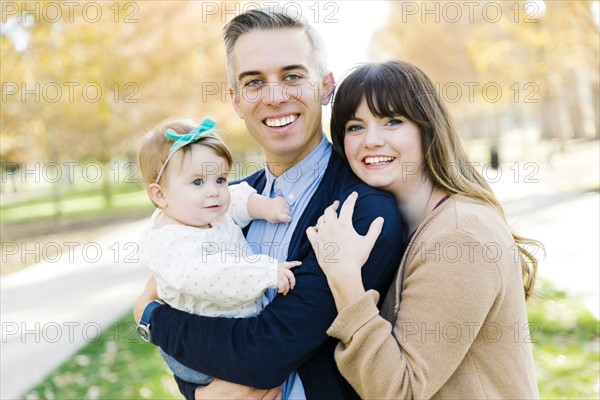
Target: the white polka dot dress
(211, 272)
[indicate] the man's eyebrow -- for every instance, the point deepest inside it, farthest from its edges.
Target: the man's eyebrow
(295, 66)
(286, 68)
(247, 73)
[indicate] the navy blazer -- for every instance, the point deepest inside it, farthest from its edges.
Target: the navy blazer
(290, 333)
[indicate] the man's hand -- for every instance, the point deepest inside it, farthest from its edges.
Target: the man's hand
(148, 295)
(219, 389)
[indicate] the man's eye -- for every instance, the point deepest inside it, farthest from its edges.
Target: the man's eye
(198, 182)
(293, 77)
(221, 180)
(255, 83)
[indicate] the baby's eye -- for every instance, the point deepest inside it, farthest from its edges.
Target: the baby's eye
(198, 182)
(221, 180)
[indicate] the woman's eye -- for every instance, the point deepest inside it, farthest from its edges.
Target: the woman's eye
(395, 122)
(354, 128)
(221, 180)
(198, 182)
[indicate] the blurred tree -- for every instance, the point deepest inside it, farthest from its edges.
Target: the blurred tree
(91, 78)
(553, 47)
(499, 63)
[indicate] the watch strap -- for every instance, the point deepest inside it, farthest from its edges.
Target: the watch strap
(143, 328)
(148, 312)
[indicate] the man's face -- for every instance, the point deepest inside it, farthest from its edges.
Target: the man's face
(279, 94)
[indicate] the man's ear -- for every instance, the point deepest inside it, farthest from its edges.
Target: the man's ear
(156, 194)
(234, 96)
(329, 88)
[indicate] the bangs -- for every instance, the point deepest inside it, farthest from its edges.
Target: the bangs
(386, 93)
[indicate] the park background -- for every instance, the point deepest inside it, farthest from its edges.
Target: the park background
(83, 80)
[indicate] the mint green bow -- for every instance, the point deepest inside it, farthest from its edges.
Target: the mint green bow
(204, 129)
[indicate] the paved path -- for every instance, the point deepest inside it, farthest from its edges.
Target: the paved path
(567, 223)
(52, 309)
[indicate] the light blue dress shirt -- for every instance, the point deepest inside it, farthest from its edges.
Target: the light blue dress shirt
(297, 185)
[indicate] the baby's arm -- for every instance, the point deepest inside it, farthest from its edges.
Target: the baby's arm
(247, 205)
(273, 210)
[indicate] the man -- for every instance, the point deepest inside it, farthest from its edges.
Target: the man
(279, 85)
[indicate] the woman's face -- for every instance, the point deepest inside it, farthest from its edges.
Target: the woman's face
(384, 152)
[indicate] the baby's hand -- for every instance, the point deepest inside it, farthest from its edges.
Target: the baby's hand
(278, 211)
(286, 280)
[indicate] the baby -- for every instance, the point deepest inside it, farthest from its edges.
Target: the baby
(194, 243)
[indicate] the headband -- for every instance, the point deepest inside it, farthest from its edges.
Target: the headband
(205, 129)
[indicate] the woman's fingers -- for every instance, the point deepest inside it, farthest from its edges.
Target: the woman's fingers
(330, 212)
(347, 210)
(311, 233)
(374, 231)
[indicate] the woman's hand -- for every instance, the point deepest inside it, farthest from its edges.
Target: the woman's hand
(148, 295)
(219, 389)
(341, 251)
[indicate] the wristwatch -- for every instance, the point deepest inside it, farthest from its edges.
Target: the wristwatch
(143, 328)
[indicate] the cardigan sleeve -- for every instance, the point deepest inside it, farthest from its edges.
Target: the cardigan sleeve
(445, 301)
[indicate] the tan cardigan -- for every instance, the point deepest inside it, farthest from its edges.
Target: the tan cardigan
(457, 309)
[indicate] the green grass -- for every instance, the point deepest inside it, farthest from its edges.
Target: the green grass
(567, 352)
(121, 366)
(74, 204)
(117, 365)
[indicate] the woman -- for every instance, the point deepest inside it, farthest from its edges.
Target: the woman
(453, 323)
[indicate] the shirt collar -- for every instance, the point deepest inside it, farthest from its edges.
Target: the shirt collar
(295, 181)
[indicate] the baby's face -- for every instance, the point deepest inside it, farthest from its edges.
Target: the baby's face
(197, 193)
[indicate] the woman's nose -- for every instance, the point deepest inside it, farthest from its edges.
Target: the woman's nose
(374, 137)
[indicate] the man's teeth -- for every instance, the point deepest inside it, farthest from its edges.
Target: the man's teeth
(277, 122)
(378, 160)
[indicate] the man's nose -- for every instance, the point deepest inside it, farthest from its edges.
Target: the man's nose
(275, 93)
